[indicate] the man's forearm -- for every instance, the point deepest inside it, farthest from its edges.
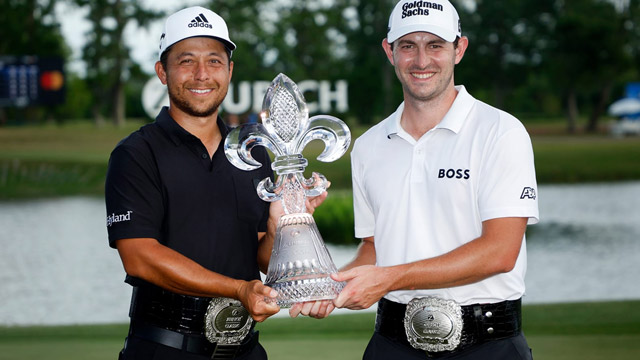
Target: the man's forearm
(265, 246)
(153, 262)
(365, 255)
(494, 252)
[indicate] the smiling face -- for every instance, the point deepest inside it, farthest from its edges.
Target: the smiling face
(197, 75)
(424, 64)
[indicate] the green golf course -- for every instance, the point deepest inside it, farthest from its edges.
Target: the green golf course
(71, 159)
(572, 331)
(55, 161)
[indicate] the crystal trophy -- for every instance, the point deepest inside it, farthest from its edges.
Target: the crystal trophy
(300, 264)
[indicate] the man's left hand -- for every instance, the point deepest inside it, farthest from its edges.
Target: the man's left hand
(365, 286)
(316, 309)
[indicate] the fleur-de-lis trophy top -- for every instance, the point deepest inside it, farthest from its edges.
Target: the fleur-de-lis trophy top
(300, 264)
(286, 130)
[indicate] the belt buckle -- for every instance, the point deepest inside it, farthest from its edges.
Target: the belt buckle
(433, 324)
(227, 322)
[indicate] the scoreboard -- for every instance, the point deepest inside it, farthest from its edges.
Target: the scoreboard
(31, 80)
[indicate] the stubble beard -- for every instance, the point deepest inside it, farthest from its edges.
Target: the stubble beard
(424, 94)
(185, 106)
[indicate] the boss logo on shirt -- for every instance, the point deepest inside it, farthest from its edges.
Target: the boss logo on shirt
(113, 218)
(528, 193)
(454, 173)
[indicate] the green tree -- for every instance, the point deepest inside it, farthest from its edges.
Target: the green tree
(631, 24)
(631, 17)
(588, 56)
(78, 101)
(246, 30)
(106, 55)
(30, 28)
(506, 43)
(307, 35)
(374, 90)
(302, 39)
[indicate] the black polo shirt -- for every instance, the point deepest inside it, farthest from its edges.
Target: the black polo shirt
(162, 184)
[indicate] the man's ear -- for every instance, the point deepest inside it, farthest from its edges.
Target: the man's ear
(160, 71)
(463, 43)
(388, 50)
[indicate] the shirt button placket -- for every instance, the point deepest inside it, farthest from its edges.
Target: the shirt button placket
(417, 171)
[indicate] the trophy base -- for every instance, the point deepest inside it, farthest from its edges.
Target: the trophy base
(303, 289)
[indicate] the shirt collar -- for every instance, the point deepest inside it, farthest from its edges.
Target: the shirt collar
(459, 111)
(453, 120)
(177, 133)
(393, 122)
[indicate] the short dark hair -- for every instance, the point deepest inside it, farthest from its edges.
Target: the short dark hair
(455, 42)
(164, 56)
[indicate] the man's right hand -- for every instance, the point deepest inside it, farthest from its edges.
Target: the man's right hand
(255, 297)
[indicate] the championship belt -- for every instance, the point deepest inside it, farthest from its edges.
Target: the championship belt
(227, 322)
(433, 324)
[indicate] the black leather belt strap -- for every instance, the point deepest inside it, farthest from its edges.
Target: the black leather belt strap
(481, 323)
(193, 343)
(177, 321)
(165, 309)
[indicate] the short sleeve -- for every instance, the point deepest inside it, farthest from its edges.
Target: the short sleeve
(508, 186)
(364, 219)
(133, 195)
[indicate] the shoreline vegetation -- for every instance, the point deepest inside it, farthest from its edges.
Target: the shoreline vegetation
(567, 331)
(52, 160)
(55, 161)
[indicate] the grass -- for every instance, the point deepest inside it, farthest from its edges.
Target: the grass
(48, 161)
(80, 142)
(71, 159)
(54, 160)
(571, 159)
(576, 331)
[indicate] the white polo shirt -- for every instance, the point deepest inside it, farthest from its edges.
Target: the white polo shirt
(421, 199)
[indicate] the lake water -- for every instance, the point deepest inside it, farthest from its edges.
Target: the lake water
(56, 266)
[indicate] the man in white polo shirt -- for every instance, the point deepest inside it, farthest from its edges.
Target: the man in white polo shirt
(443, 191)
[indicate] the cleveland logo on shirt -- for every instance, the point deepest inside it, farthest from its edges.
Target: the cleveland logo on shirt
(113, 218)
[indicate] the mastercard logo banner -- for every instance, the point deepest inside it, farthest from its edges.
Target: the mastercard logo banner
(31, 80)
(51, 80)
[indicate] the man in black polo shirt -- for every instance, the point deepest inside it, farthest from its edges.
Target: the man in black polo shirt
(188, 225)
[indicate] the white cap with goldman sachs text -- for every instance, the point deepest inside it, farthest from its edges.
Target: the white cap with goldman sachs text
(438, 17)
(191, 22)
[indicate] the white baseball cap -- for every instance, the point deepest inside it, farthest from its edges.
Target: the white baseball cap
(438, 17)
(191, 22)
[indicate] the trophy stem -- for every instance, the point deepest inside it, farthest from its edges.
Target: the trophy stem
(300, 265)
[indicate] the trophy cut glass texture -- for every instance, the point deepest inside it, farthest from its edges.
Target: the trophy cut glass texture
(300, 264)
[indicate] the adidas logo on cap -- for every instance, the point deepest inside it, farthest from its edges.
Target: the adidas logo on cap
(191, 22)
(200, 21)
